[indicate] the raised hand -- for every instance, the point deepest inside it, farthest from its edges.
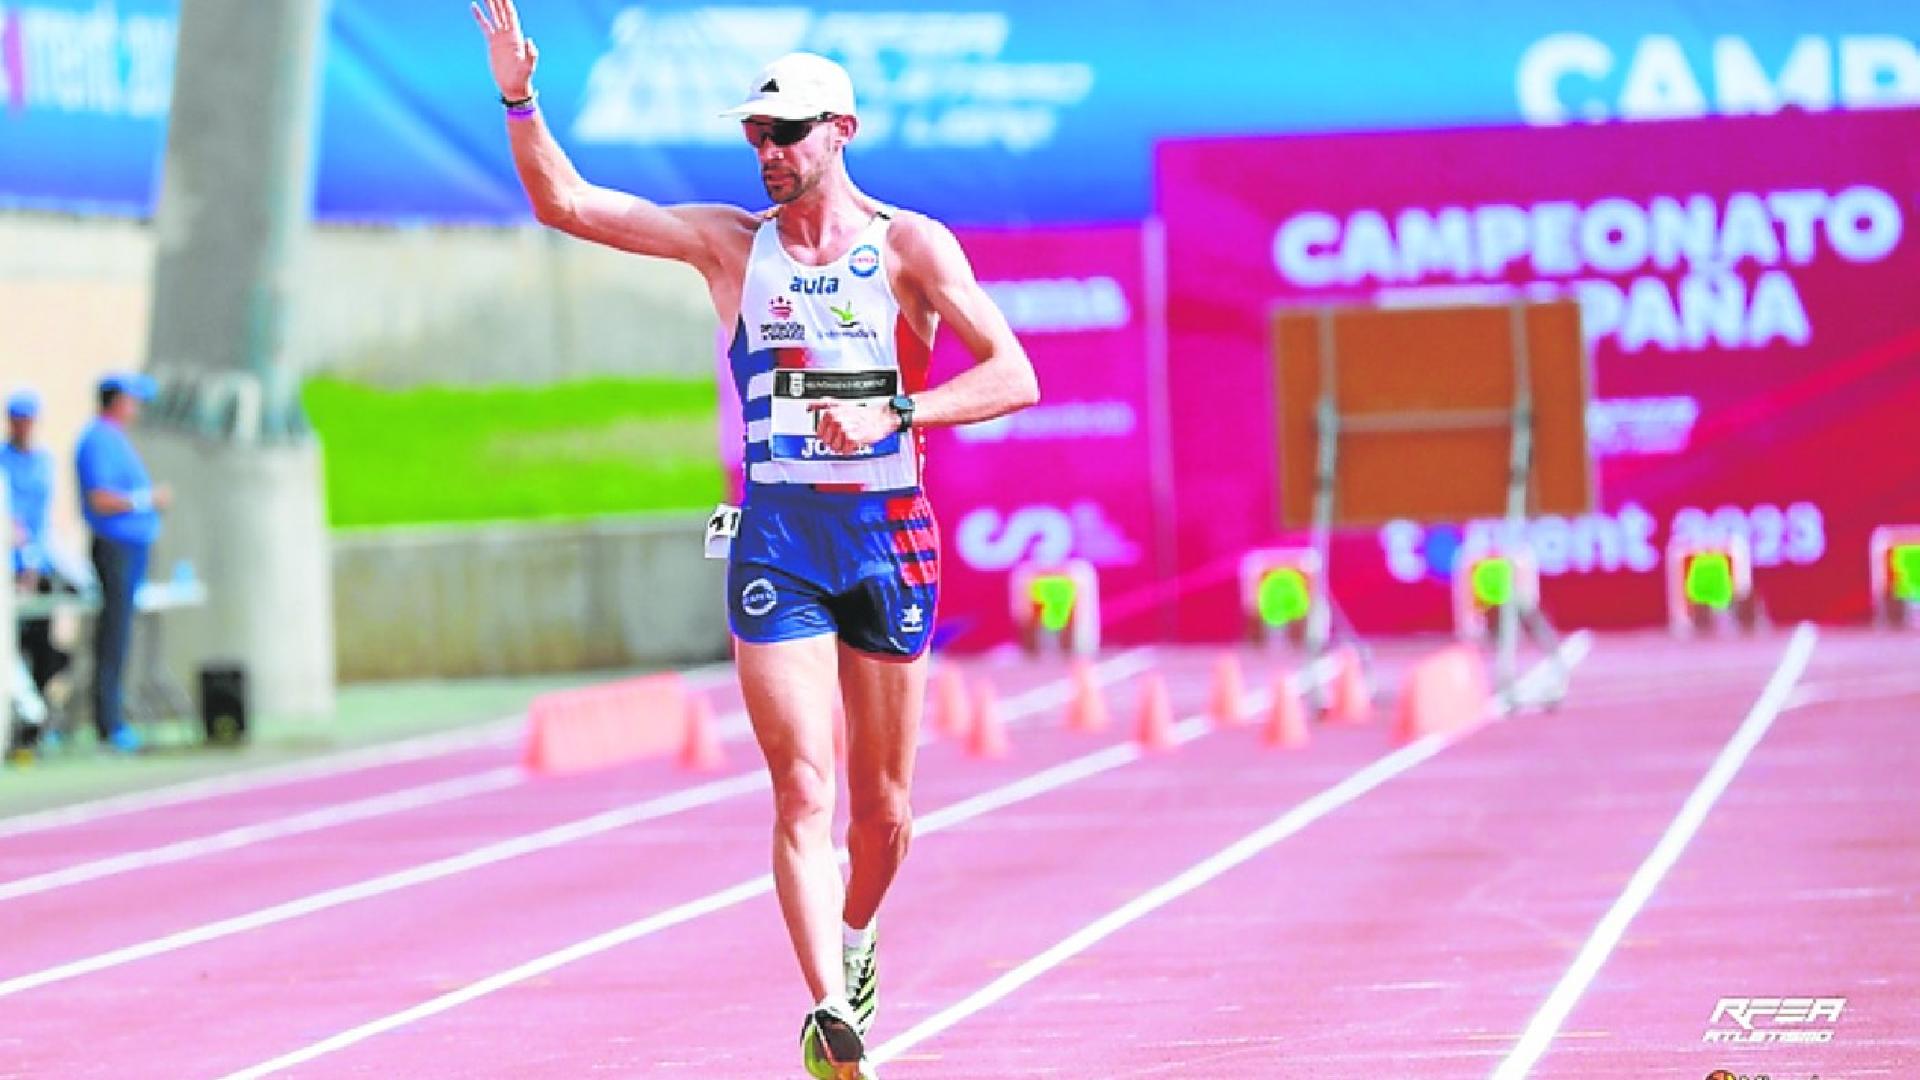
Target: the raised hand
(511, 55)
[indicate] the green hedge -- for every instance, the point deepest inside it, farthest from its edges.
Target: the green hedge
(568, 450)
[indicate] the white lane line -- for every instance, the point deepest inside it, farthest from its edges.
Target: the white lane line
(1199, 874)
(1241, 850)
(1028, 787)
(1606, 935)
(504, 731)
(499, 851)
(392, 802)
(498, 732)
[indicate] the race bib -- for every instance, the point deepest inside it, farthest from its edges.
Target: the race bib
(798, 396)
(722, 526)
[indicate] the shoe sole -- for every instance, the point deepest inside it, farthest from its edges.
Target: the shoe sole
(843, 1045)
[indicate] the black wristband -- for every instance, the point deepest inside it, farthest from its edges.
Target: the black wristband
(520, 104)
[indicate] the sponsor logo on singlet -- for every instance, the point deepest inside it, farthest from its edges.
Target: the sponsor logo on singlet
(782, 328)
(847, 323)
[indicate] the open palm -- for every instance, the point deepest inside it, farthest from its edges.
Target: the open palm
(511, 55)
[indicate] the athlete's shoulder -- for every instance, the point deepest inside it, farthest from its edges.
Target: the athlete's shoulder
(725, 221)
(911, 226)
(917, 240)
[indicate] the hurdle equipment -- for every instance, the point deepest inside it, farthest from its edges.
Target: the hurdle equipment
(1056, 607)
(1710, 583)
(1893, 561)
(1435, 414)
(1488, 576)
(1497, 580)
(1277, 587)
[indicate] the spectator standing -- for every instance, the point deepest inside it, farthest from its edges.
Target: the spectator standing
(29, 471)
(122, 507)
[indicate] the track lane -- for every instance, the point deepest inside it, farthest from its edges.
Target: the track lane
(411, 941)
(734, 988)
(1805, 882)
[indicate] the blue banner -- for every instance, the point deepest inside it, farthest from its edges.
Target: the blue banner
(998, 114)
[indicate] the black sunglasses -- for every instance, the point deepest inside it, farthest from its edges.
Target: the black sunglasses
(782, 132)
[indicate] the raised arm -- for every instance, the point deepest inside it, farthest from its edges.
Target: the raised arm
(935, 271)
(561, 198)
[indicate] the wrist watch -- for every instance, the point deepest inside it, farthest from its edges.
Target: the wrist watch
(902, 406)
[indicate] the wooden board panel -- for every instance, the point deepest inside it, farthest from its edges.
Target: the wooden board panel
(1423, 368)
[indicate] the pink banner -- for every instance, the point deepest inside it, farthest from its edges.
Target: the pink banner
(1747, 287)
(1070, 477)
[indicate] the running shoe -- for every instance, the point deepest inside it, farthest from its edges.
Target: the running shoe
(831, 1048)
(863, 981)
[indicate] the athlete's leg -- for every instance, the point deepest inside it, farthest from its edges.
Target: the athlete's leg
(789, 687)
(884, 699)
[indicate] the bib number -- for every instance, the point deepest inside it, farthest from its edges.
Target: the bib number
(722, 526)
(797, 400)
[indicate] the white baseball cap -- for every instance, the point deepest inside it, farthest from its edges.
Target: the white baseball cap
(798, 86)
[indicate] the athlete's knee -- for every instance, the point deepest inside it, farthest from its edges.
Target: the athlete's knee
(802, 799)
(885, 818)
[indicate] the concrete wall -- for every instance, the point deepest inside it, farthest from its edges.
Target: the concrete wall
(395, 306)
(404, 306)
(248, 519)
(512, 599)
(400, 307)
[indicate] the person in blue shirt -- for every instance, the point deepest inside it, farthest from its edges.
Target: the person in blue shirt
(29, 472)
(122, 506)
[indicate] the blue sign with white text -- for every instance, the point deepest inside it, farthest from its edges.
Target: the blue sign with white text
(983, 114)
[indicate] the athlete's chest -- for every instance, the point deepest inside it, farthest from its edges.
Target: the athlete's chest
(841, 310)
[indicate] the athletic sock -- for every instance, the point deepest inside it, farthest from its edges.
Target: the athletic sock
(852, 939)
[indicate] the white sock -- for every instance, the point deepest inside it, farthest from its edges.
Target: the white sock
(834, 1001)
(851, 939)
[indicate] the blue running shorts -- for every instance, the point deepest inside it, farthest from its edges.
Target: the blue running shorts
(862, 565)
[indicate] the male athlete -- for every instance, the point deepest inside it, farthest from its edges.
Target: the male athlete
(833, 575)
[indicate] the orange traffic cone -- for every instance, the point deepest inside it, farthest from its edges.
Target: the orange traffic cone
(702, 751)
(989, 738)
(1156, 714)
(953, 717)
(1088, 709)
(1352, 701)
(1445, 693)
(1228, 690)
(1287, 724)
